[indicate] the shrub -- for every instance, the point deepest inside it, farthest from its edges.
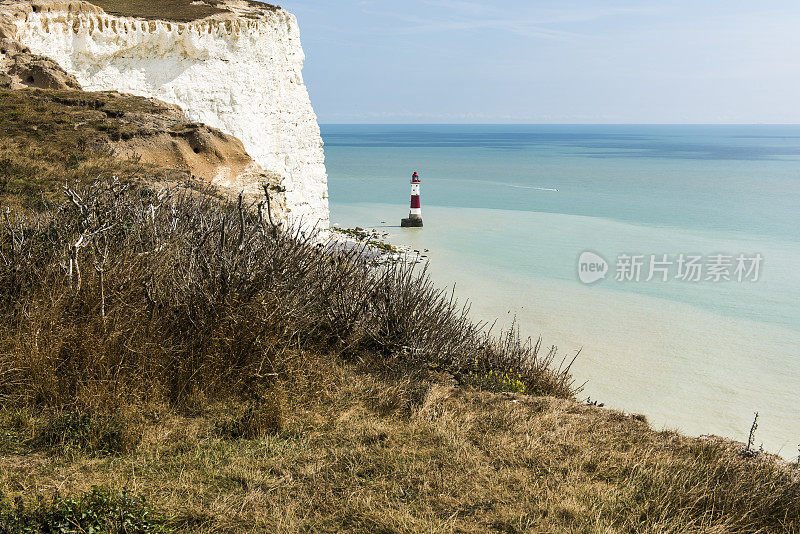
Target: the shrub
(124, 294)
(261, 417)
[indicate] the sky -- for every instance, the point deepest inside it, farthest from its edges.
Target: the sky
(561, 61)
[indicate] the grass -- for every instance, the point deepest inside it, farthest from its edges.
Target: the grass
(172, 10)
(50, 138)
(371, 455)
(372, 239)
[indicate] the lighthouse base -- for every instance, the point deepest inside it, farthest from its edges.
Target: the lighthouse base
(413, 221)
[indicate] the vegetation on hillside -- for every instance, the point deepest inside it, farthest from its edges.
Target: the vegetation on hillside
(50, 138)
(127, 293)
(172, 10)
(248, 378)
(372, 239)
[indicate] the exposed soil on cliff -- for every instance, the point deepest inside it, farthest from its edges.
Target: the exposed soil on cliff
(19, 68)
(50, 136)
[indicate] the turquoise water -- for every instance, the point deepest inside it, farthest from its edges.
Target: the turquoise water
(509, 209)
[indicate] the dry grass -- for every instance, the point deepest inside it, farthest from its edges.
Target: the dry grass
(443, 460)
(173, 10)
(54, 137)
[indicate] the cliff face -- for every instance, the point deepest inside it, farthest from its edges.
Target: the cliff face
(238, 70)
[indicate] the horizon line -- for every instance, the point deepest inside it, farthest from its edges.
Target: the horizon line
(558, 123)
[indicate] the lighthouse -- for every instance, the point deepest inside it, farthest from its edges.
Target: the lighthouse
(415, 215)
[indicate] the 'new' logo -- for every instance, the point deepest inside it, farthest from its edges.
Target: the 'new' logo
(591, 267)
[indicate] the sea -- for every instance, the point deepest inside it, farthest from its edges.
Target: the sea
(667, 257)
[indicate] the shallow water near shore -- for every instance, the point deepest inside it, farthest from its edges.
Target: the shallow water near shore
(509, 209)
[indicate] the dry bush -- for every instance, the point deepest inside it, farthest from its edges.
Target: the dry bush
(258, 419)
(123, 295)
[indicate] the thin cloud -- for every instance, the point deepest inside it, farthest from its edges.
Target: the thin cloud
(464, 15)
(463, 6)
(542, 15)
(527, 29)
(417, 25)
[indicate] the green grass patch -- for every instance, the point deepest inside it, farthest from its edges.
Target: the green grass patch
(98, 511)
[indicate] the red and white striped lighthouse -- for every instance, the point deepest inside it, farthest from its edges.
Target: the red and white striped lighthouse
(415, 215)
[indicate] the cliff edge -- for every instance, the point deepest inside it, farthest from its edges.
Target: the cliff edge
(233, 65)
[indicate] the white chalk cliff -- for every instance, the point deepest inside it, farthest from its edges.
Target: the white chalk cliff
(238, 70)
